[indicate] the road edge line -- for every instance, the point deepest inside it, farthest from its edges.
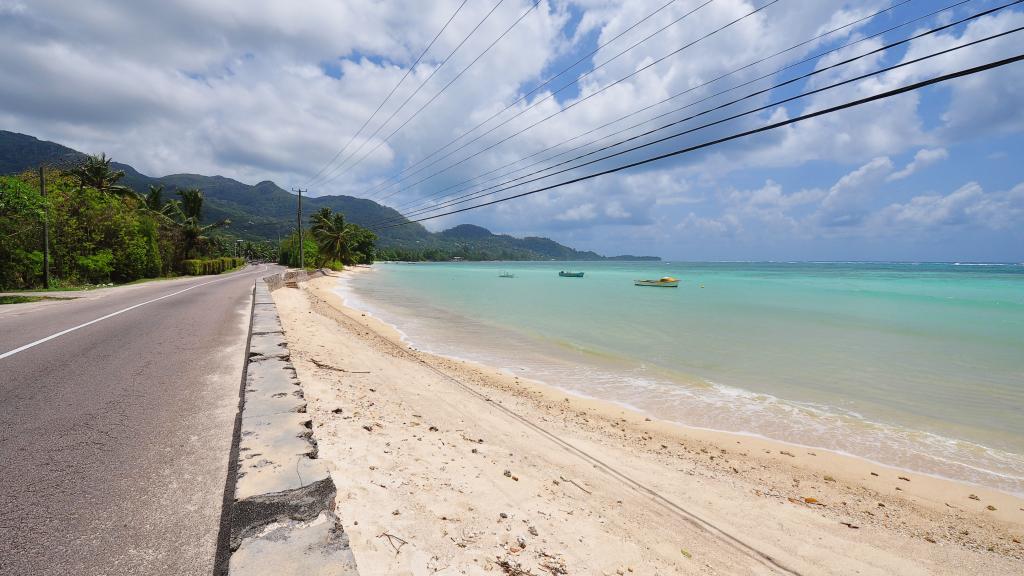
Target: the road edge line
(46, 339)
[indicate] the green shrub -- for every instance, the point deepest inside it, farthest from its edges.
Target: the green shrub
(97, 267)
(196, 267)
(130, 259)
(154, 262)
(192, 267)
(22, 269)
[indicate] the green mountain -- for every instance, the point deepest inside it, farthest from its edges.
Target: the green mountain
(265, 211)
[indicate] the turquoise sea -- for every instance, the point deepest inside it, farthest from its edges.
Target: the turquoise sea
(915, 365)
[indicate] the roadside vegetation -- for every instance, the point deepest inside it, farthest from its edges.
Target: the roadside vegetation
(331, 242)
(24, 299)
(103, 232)
(19, 299)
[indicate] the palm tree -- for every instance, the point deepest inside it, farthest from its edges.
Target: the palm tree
(154, 204)
(155, 198)
(187, 217)
(96, 172)
(191, 202)
(321, 218)
(331, 235)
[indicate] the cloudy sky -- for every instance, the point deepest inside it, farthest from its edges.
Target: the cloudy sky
(273, 90)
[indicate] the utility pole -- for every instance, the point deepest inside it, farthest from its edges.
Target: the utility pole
(46, 230)
(302, 247)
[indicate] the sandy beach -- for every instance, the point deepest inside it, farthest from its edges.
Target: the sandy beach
(448, 467)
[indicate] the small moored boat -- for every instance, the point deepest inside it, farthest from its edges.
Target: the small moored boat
(506, 275)
(664, 282)
(565, 274)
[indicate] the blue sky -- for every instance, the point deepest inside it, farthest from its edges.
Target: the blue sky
(274, 92)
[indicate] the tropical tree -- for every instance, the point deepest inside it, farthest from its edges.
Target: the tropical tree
(100, 231)
(21, 216)
(153, 203)
(292, 253)
(338, 241)
(155, 198)
(97, 172)
(191, 202)
(332, 236)
(362, 244)
(187, 217)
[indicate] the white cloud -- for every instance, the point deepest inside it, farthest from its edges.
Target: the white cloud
(614, 209)
(694, 225)
(983, 103)
(924, 157)
(771, 196)
(583, 212)
(969, 205)
(848, 200)
(853, 208)
(240, 89)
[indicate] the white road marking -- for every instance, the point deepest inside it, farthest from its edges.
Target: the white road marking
(112, 314)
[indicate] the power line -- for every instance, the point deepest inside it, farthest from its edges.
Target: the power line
(566, 69)
(881, 95)
(441, 91)
(388, 97)
(665, 100)
(484, 192)
(501, 186)
(578, 102)
(481, 194)
(421, 85)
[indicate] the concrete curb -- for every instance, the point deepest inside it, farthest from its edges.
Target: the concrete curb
(282, 514)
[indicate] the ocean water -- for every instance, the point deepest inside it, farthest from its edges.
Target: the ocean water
(920, 366)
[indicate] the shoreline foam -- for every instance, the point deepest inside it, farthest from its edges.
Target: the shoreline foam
(925, 450)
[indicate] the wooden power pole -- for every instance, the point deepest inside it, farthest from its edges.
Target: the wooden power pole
(302, 247)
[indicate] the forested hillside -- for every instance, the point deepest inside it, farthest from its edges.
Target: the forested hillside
(265, 211)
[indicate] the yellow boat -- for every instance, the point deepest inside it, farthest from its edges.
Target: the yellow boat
(664, 282)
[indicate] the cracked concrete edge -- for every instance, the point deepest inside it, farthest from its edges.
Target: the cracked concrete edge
(322, 543)
(252, 514)
(280, 517)
(278, 281)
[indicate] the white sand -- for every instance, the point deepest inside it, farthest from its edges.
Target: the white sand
(472, 471)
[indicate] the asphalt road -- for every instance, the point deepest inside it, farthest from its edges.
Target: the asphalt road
(114, 437)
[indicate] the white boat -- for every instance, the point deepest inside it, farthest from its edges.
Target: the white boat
(664, 282)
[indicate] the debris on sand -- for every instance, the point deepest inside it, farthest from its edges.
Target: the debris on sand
(513, 569)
